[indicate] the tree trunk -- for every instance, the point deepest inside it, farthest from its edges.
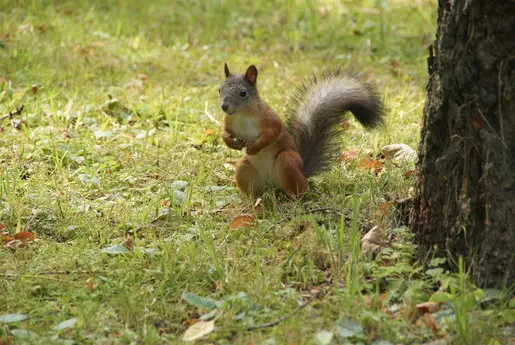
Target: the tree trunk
(465, 202)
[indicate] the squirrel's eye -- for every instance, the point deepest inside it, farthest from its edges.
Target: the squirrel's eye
(243, 92)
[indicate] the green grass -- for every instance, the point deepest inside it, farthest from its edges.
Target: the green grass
(116, 96)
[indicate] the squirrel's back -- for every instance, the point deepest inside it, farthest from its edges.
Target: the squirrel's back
(318, 108)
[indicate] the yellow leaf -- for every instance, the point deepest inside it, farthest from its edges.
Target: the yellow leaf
(242, 221)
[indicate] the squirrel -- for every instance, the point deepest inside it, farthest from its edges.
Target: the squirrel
(285, 155)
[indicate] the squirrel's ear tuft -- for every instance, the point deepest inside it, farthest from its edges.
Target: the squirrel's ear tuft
(251, 75)
(226, 70)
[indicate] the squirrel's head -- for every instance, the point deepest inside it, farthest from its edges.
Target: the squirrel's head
(239, 91)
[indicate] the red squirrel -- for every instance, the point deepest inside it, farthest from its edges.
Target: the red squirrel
(285, 155)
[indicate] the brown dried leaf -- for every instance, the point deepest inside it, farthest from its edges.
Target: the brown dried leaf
(383, 208)
(243, 221)
(409, 173)
(349, 156)
(209, 132)
(427, 307)
(368, 163)
(15, 244)
(128, 243)
(7, 238)
(430, 322)
(25, 236)
(90, 286)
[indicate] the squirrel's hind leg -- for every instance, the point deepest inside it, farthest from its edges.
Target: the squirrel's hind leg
(288, 173)
(248, 179)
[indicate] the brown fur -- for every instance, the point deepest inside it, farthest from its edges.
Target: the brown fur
(272, 157)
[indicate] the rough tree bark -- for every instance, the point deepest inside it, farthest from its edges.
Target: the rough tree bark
(465, 202)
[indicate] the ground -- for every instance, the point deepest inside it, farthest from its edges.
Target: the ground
(118, 149)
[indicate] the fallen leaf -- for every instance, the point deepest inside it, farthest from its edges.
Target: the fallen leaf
(209, 132)
(242, 221)
(427, 307)
(372, 242)
(198, 330)
(116, 249)
(15, 317)
(28, 336)
(383, 208)
(15, 244)
(324, 337)
(7, 238)
(199, 301)
(430, 322)
(179, 185)
(368, 163)
(66, 324)
(2, 227)
(400, 152)
(347, 329)
(349, 156)
(409, 173)
(128, 243)
(24, 236)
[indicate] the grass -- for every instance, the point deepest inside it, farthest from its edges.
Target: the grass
(115, 143)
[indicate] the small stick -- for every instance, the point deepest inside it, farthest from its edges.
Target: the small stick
(11, 276)
(282, 318)
(12, 113)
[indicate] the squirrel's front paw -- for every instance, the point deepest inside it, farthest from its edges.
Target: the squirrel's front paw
(238, 144)
(251, 150)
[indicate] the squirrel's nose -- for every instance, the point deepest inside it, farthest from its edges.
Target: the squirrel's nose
(225, 107)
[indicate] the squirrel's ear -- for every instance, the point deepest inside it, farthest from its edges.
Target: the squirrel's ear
(251, 75)
(226, 70)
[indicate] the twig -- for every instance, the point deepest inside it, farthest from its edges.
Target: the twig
(47, 273)
(12, 113)
(210, 116)
(281, 319)
(12, 275)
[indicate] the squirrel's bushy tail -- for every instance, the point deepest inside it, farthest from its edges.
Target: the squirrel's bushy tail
(318, 108)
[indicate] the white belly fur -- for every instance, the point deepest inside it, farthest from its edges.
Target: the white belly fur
(264, 162)
(244, 128)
